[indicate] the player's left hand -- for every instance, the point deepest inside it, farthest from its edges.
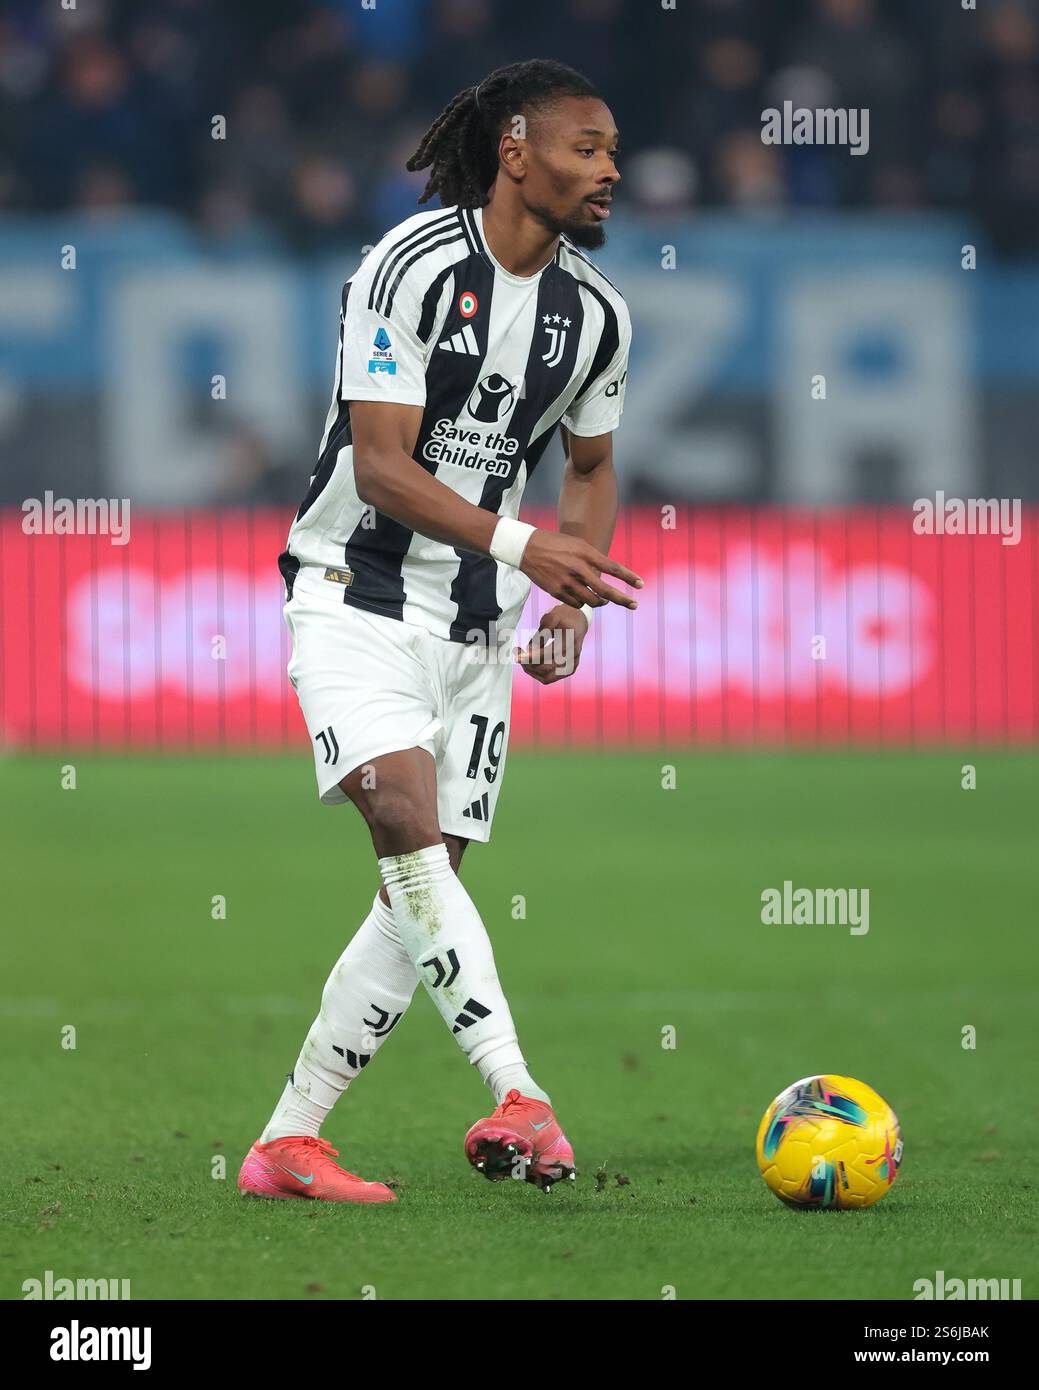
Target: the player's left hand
(554, 651)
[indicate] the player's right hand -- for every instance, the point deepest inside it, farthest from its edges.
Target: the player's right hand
(570, 569)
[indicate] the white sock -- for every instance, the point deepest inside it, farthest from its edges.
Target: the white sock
(451, 951)
(502, 1080)
(368, 990)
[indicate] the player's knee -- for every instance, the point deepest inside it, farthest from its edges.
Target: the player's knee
(398, 821)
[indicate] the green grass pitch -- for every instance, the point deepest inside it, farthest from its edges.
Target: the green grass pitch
(642, 911)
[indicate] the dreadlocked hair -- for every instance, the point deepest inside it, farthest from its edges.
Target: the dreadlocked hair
(460, 148)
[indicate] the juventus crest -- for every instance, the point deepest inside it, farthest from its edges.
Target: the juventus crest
(556, 339)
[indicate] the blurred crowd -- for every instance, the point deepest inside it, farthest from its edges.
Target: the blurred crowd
(110, 104)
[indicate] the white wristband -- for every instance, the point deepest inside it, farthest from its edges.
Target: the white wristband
(510, 540)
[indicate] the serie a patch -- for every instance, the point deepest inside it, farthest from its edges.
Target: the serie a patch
(340, 576)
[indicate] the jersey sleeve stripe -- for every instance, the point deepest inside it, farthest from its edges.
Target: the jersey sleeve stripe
(399, 249)
(424, 250)
(609, 341)
(569, 246)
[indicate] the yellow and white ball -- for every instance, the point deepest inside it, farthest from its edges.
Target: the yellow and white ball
(829, 1141)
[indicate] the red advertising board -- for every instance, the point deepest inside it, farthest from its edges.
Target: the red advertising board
(755, 625)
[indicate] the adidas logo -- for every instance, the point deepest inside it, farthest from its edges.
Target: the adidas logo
(354, 1060)
(470, 1015)
(479, 809)
(465, 341)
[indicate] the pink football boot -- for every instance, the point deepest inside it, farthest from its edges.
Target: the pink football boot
(522, 1139)
(303, 1167)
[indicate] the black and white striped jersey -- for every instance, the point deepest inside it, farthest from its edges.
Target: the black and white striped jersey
(496, 361)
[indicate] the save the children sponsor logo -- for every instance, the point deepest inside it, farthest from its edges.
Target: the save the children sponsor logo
(486, 451)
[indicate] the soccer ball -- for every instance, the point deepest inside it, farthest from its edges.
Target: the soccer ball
(829, 1141)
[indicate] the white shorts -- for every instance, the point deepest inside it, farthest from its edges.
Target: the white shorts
(369, 685)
